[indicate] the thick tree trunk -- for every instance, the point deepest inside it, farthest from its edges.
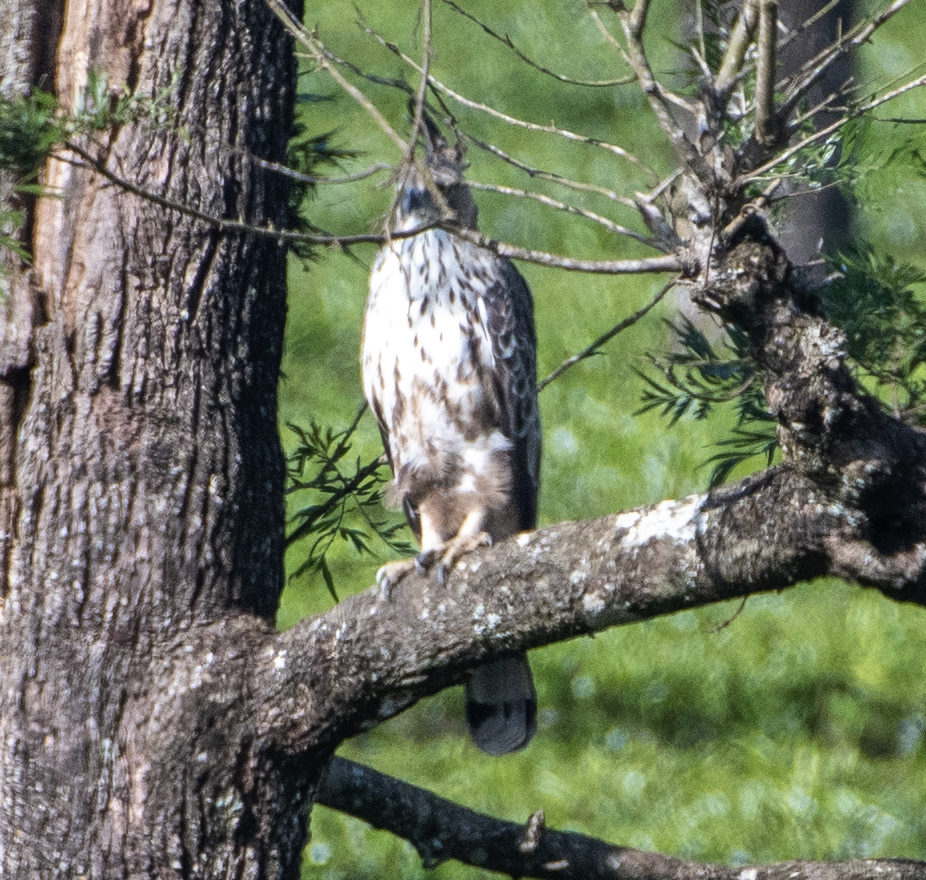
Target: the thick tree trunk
(140, 469)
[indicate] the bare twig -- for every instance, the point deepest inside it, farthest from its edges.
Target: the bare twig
(658, 97)
(318, 180)
(817, 66)
(388, 81)
(423, 85)
(738, 46)
(511, 120)
(550, 175)
(669, 263)
(281, 235)
(562, 206)
(587, 352)
(408, 160)
(825, 104)
(766, 127)
(507, 41)
(606, 33)
(600, 267)
(808, 23)
(756, 173)
(315, 49)
(748, 210)
(744, 67)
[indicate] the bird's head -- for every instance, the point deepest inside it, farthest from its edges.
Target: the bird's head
(417, 204)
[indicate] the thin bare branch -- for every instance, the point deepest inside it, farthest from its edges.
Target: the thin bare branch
(600, 267)
(511, 120)
(647, 265)
(699, 60)
(550, 175)
(766, 127)
(757, 173)
(745, 67)
(316, 51)
(753, 207)
(423, 85)
(562, 206)
(507, 41)
(808, 23)
(408, 160)
(609, 37)
(825, 104)
(636, 21)
(388, 81)
(738, 46)
(592, 349)
(319, 180)
(701, 49)
(281, 235)
(815, 68)
(657, 97)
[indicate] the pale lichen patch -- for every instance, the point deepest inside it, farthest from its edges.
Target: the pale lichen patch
(672, 520)
(628, 520)
(593, 603)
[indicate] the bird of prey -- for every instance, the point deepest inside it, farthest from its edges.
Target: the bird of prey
(449, 369)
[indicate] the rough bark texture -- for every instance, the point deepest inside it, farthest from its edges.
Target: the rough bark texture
(152, 722)
(139, 367)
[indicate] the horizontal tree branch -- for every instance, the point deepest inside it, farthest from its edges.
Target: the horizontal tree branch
(440, 830)
(371, 657)
(669, 263)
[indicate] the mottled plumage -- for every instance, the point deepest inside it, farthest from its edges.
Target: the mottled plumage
(449, 369)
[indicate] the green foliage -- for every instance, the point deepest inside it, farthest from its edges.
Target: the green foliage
(796, 731)
(30, 127)
(865, 157)
(696, 379)
(874, 301)
(347, 500)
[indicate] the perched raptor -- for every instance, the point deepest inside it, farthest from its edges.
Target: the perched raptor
(449, 369)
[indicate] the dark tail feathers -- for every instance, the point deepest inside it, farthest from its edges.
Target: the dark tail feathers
(501, 705)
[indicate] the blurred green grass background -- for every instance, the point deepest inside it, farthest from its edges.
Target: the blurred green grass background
(794, 732)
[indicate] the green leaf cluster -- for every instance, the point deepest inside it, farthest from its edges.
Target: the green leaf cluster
(345, 499)
(697, 378)
(874, 300)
